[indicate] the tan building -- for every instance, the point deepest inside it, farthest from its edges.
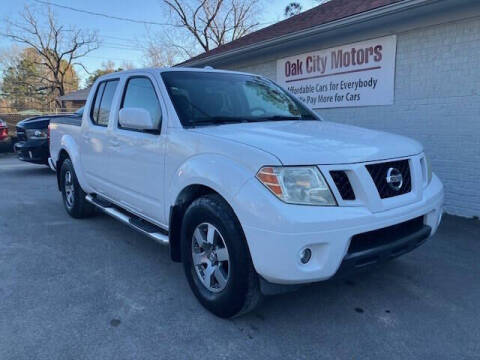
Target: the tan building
(426, 85)
(74, 100)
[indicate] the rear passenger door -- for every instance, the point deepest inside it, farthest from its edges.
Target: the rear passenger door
(137, 156)
(95, 136)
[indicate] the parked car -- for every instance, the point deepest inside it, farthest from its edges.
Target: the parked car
(33, 136)
(3, 131)
(4, 137)
(250, 189)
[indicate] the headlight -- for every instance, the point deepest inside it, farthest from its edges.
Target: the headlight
(37, 134)
(429, 171)
(297, 185)
(427, 166)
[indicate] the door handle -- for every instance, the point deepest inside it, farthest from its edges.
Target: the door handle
(114, 143)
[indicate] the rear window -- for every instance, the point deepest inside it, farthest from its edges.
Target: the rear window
(100, 112)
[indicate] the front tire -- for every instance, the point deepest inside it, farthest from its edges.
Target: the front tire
(216, 258)
(73, 195)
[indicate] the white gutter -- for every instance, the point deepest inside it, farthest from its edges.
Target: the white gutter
(348, 21)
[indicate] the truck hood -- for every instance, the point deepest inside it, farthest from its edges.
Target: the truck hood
(316, 142)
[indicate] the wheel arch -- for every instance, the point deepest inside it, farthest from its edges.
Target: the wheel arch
(197, 176)
(177, 211)
(62, 155)
(70, 147)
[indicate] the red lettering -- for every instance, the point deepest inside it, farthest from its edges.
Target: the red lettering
(378, 53)
(287, 69)
(346, 59)
(368, 51)
(292, 69)
(299, 70)
(353, 56)
(337, 59)
(360, 56)
(308, 64)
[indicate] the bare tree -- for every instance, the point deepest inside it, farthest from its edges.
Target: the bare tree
(127, 65)
(292, 9)
(9, 57)
(160, 54)
(108, 67)
(214, 22)
(58, 48)
(167, 48)
(295, 8)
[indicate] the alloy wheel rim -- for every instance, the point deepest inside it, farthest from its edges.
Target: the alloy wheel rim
(210, 257)
(69, 190)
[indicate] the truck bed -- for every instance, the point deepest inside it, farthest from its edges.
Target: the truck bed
(67, 120)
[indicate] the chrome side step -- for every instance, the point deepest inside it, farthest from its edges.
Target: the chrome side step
(146, 228)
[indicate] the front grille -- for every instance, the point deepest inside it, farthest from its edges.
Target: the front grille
(21, 134)
(344, 187)
(384, 236)
(379, 174)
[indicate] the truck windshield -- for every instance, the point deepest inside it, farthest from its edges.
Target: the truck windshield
(211, 98)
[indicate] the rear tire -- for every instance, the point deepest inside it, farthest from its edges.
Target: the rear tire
(73, 195)
(230, 286)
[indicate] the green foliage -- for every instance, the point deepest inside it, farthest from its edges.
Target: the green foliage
(27, 84)
(22, 85)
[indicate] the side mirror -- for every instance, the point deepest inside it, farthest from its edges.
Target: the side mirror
(136, 118)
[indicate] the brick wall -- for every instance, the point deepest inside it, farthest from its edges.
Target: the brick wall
(12, 120)
(437, 101)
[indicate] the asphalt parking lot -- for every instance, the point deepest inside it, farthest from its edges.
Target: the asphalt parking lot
(95, 289)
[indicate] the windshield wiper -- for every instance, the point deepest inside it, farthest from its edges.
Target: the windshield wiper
(277, 117)
(218, 120)
(284, 118)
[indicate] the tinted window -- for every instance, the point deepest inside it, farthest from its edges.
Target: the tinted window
(96, 103)
(218, 98)
(140, 93)
(103, 102)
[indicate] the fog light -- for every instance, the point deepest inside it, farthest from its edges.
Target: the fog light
(305, 255)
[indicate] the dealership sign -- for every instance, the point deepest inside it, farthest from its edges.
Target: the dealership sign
(358, 74)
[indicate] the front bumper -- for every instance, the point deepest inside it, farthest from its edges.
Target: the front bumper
(277, 233)
(354, 261)
(34, 151)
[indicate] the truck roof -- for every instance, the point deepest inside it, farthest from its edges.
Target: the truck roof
(169, 69)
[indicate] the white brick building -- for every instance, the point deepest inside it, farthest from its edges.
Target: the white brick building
(436, 80)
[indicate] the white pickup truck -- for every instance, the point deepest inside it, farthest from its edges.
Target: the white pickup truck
(249, 188)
